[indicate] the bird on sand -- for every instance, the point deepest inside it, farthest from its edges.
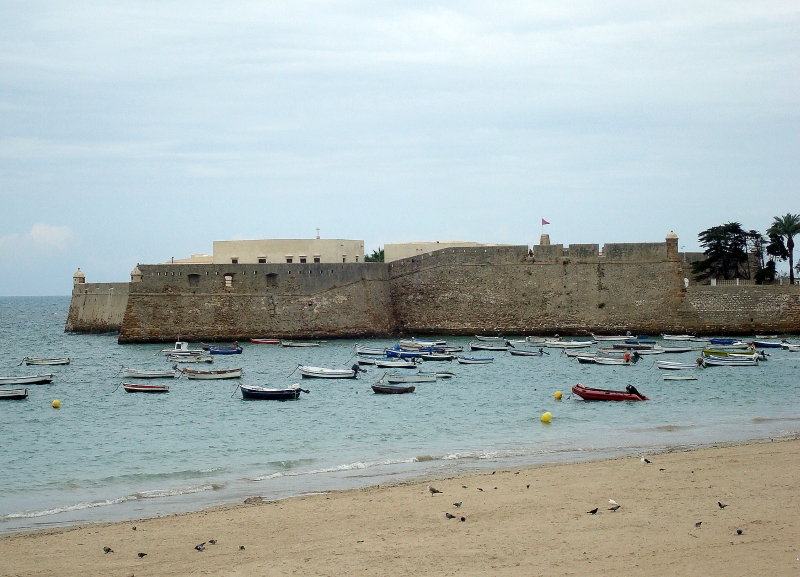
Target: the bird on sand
(612, 502)
(613, 507)
(433, 490)
(464, 519)
(738, 531)
(697, 525)
(201, 546)
(212, 541)
(463, 486)
(449, 516)
(721, 504)
(457, 505)
(527, 486)
(134, 527)
(107, 550)
(479, 489)
(645, 460)
(593, 511)
(241, 547)
(140, 555)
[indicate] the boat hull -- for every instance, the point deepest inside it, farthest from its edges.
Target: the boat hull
(322, 373)
(28, 380)
(212, 375)
(392, 390)
(263, 394)
(265, 341)
(33, 361)
(136, 388)
(14, 395)
(589, 394)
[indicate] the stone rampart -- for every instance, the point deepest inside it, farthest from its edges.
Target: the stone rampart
(226, 302)
(466, 290)
(97, 307)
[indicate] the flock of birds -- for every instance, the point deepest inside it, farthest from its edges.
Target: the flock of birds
(198, 547)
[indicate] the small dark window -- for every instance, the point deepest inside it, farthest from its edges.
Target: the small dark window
(194, 279)
(262, 261)
(234, 261)
(316, 259)
(288, 261)
(272, 279)
(302, 260)
(344, 259)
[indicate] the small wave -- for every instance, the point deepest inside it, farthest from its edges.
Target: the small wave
(336, 468)
(770, 419)
(669, 428)
(106, 502)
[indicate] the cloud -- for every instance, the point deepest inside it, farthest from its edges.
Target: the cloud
(42, 237)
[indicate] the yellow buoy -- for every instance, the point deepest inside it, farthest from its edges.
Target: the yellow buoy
(547, 417)
(56, 404)
(557, 395)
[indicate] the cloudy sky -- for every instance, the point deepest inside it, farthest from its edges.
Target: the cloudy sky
(136, 131)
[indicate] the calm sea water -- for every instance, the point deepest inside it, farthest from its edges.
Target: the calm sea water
(109, 455)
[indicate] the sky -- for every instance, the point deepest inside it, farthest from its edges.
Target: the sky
(136, 131)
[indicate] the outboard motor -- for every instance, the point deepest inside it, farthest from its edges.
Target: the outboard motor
(632, 390)
(357, 369)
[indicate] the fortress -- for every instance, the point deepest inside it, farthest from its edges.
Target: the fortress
(577, 289)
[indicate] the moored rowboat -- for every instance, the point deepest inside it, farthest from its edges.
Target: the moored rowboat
(265, 341)
(137, 388)
(213, 375)
(28, 380)
(53, 361)
(475, 361)
(589, 394)
(392, 389)
(322, 373)
(414, 378)
(13, 395)
(140, 374)
(264, 394)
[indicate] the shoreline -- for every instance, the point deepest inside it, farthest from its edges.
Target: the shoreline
(399, 528)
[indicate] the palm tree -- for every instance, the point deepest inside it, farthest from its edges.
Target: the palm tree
(786, 227)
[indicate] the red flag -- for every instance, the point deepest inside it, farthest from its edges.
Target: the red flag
(544, 222)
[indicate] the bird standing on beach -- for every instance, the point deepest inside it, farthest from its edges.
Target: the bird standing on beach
(479, 489)
(449, 516)
(613, 508)
(201, 546)
(107, 550)
(645, 460)
(433, 490)
(721, 504)
(140, 555)
(213, 541)
(593, 511)
(457, 505)
(697, 525)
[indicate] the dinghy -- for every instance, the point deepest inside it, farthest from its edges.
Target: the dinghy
(396, 363)
(323, 373)
(53, 361)
(13, 395)
(414, 378)
(28, 380)
(679, 378)
(475, 361)
(524, 353)
(234, 350)
(140, 374)
(474, 346)
(264, 394)
(137, 388)
(189, 359)
(299, 344)
(588, 394)
(674, 366)
(392, 389)
(265, 341)
(213, 375)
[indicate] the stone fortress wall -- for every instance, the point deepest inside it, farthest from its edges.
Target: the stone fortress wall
(459, 291)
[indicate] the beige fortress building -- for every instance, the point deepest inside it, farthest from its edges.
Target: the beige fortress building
(280, 251)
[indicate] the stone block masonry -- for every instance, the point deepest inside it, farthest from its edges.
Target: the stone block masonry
(97, 307)
(456, 291)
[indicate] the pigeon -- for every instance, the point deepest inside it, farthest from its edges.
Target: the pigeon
(463, 486)
(134, 527)
(433, 490)
(527, 486)
(464, 519)
(645, 460)
(662, 469)
(493, 472)
(738, 531)
(140, 555)
(721, 504)
(457, 505)
(613, 508)
(593, 511)
(107, 550)
(201, 546)
(449, 516)
(479, 489)
(241, 547)
(612, 502)
(697, 525)
(213, 541)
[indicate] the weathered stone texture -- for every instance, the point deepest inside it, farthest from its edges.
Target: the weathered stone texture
(97, 307)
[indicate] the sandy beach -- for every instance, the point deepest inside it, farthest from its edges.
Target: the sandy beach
(530, 521)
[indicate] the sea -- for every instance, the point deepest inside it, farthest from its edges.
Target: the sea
(107, 455)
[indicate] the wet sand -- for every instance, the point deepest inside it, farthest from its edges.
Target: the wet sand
(530, 521)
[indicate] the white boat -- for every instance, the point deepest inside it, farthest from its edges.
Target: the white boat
(524, 353)
(729, 362)
(437, 356)
(53, 361)
(396, 363)
(679, 378)
(28, 380)
(413, 378)
(139, 374)
(792, 348)
(323, 373)
(608, 338)
(676, 337)
(365, 360)
(673, 366)
(575, 352)
(181, 348)
(190, 359)
(445, 375)
(473, 346)
(299, 344)
(13, 394)
(568, 344)
(415, 344)
(656, 350)
(540, 340)
(475, 361)
(374, 351)
(600, 360)
(499, 338)
(213, 375)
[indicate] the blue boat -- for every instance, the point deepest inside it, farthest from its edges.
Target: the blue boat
(399, 354)
(721, 341)
(767, 345)
(225, 350)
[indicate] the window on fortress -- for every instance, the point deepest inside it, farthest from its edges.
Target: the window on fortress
(302, 260)
(316, 259)
(234, 261)
(344, 258)
(356, 258)
(262, 260)
(288, 260)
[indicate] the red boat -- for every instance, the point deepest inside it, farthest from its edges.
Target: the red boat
(630, 394)
(137, 388)
(265, 341)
